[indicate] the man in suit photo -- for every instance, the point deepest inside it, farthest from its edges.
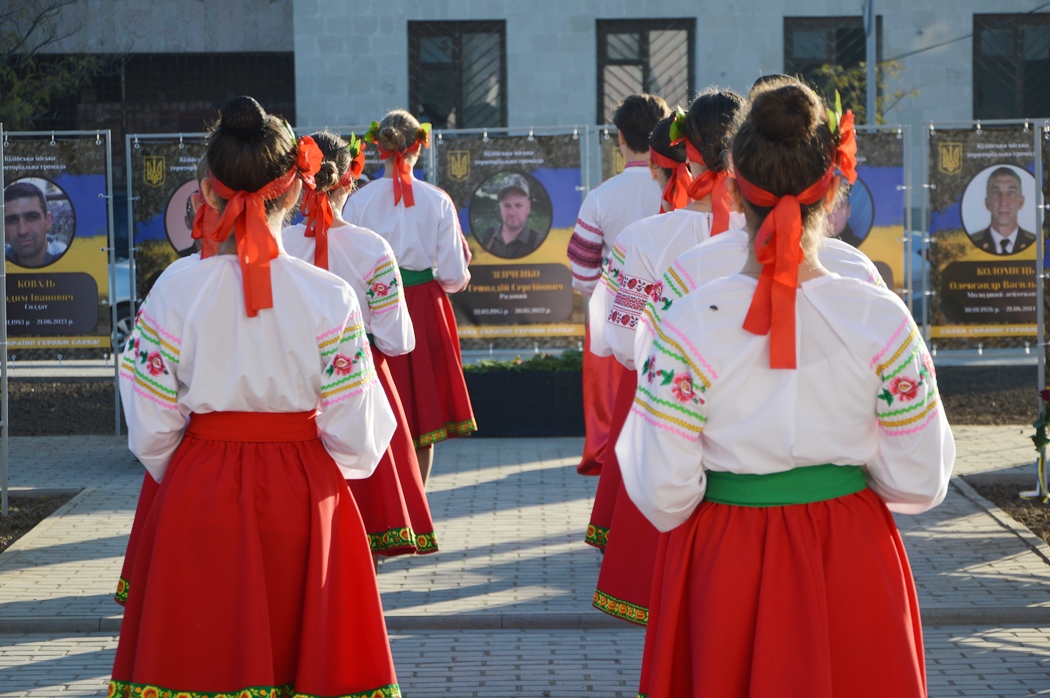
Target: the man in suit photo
(1003, 199)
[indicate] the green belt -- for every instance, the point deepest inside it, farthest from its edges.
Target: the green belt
(814, 483)
(415, 278)
(371, 339)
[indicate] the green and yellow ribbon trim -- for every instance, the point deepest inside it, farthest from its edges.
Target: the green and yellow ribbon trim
(126, 689)
(618, 608)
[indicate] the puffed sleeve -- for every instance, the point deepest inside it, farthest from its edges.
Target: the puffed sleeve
(597, 311)
(452, 272)
(391, 324)
(635, 284)
(586, 247)
(356, 422)
(660, 449)
(149, 388)
(916, 447)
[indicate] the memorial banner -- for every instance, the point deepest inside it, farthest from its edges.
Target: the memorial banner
(162, 173)
(871, 218)
(517, 199)
(56, 241)
(982, 239)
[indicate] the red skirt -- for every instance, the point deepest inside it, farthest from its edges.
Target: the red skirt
(392, 501)
(146, 495)
(252, 572)
(610, 483)
(626, 577)
(601, 376)
(429, 378)
(809, 600)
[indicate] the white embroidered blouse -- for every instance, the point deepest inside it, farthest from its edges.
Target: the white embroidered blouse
(641, 255)
(864, 393)
(724, 255)
(608, 209)
(364, 260)
(424, 236)
(194, 349)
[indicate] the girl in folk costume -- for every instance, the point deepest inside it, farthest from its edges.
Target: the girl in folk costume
(784, 412)
(420, 223)
(392, 502)
(641, 256)
(608, 209)
(204, 216)
(726, 254)
(253, 534)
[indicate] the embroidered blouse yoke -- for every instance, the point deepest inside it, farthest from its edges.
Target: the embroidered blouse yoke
(193, 349)
(365, 261)
(424, 236)
(864, 393)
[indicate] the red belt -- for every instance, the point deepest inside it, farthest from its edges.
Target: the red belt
(261, 427)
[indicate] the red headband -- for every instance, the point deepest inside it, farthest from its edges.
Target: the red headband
(712, 183)
(402, 171)
(204, 219)
(778, 247)
(245, 213)
(676, 192)
(318, 209)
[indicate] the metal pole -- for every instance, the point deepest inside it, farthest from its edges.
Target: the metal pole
(112, 264)
(1040, 271)
(871, 107)
(3, 356)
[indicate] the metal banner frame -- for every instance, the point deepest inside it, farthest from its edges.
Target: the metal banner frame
(579, 133)
(3, 352)
(99, 135)
(903, 133)
(1029, 125)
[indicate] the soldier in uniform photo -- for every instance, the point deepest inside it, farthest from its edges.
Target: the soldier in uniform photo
(513, 238)
(1003, 199)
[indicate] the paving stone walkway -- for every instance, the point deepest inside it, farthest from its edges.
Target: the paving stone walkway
(504, 608)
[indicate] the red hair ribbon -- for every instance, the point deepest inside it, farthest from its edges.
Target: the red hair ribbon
(402, 170)
(846, 153)
(676, 192)
(245, 213)
(204, 219)
(712, 183)
(778, 247)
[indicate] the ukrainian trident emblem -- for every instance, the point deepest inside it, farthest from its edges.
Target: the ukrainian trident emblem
(153, 170)
(950, 158)
(459, 164)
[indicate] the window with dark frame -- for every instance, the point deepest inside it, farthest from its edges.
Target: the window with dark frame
(1011, 66)
(645, 55)
(812, 42)
(457, 73)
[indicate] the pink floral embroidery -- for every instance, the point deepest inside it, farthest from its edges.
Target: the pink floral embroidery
(380, 289)
(657, 292)
(683, 388)
(927, 363)
(155, 364)
(905, 388)
(342, 364)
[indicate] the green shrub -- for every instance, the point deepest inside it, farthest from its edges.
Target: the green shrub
(568, 360)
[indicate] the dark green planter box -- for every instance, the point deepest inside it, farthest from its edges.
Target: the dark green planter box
(527, 403)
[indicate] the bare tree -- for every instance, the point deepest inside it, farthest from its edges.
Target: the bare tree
(30, 79)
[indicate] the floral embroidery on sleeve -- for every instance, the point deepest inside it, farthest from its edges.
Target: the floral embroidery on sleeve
(349, 370)
(145, 362)
(384, 287)
(909, 384)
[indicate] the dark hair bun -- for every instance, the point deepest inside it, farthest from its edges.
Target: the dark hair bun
(786, 114)
(244, 118)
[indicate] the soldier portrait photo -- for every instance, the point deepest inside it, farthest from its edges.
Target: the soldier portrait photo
(510, 214)
(39, 223)
(998, 210)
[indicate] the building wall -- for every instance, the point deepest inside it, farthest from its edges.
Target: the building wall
(552, 57)
(177, 26)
